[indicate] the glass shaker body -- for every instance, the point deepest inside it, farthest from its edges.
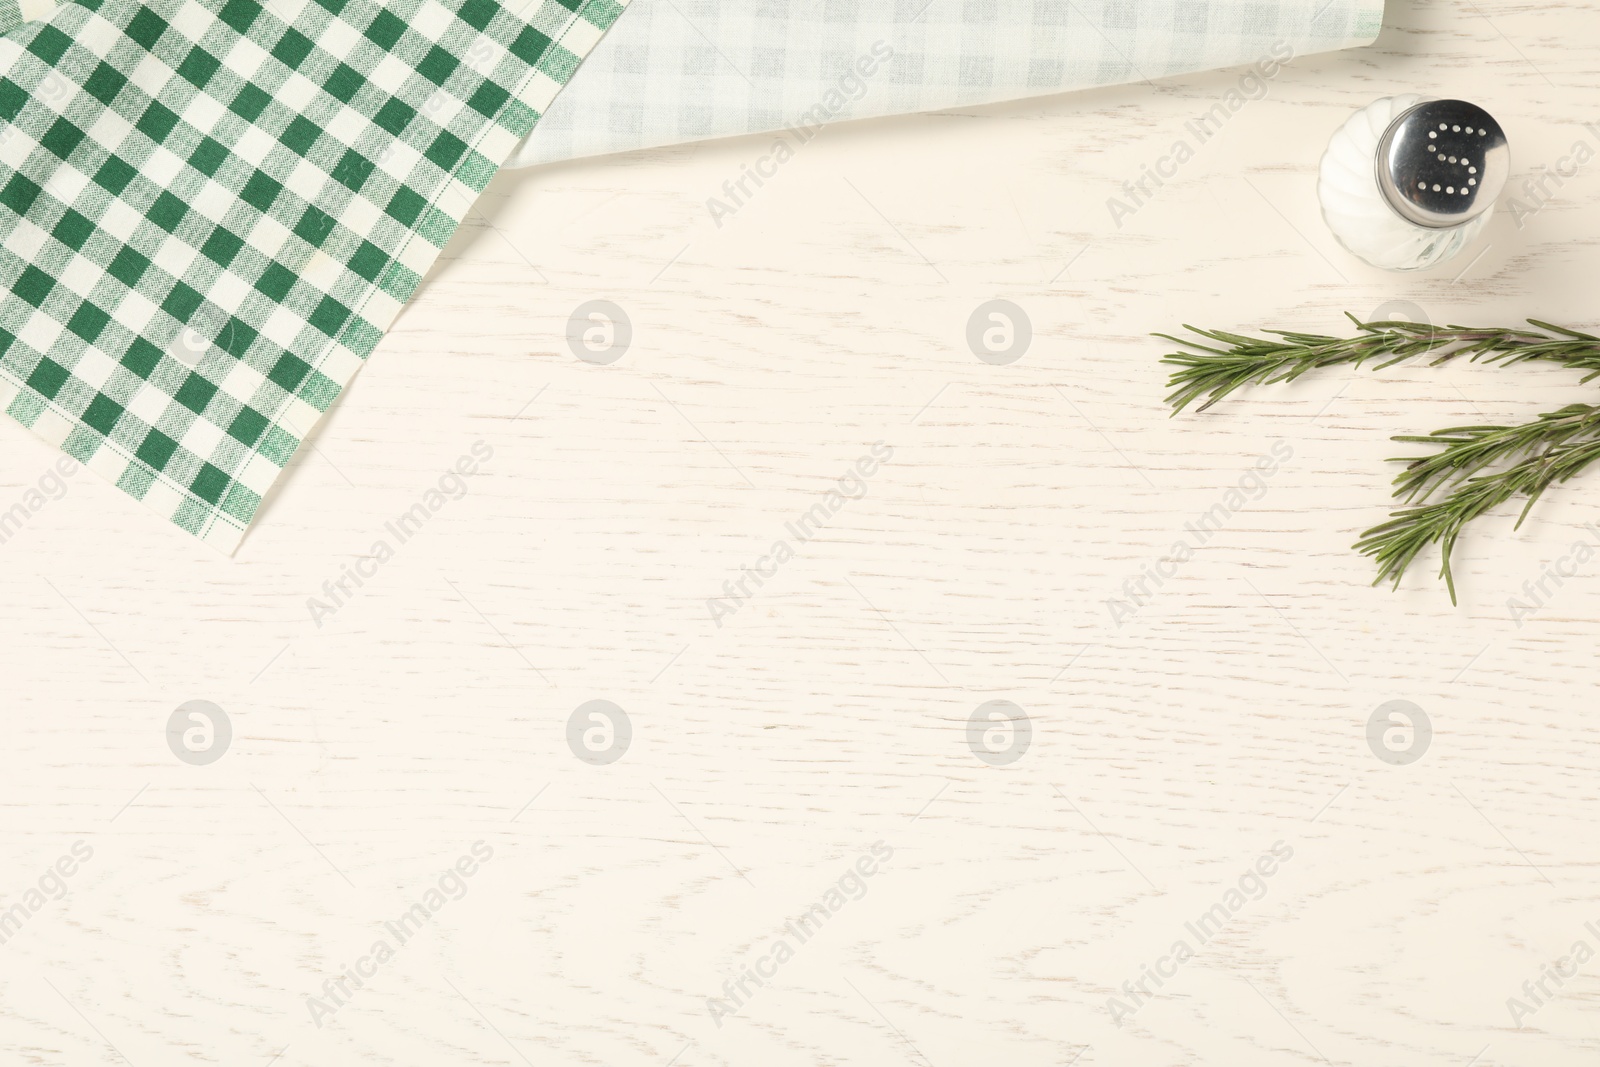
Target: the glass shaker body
(1368, 186)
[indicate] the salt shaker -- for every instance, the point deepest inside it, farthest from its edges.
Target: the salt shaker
(1409, 181)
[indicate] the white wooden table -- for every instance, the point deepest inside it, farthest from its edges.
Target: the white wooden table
(1010, 900)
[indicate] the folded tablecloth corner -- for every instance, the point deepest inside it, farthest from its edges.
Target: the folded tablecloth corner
(210, 214)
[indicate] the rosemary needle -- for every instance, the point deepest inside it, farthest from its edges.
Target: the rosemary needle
(1475, 469)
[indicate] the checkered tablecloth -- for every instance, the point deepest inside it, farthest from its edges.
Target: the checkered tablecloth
(210, 213)
(687, 70)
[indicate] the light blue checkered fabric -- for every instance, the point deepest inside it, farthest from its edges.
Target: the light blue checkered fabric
(685, 70)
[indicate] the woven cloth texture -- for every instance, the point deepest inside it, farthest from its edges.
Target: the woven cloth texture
(209, 214)
(676, 71)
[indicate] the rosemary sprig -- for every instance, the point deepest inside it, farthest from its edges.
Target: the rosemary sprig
(1476, 468)
(1213, 373)
(1552, 448)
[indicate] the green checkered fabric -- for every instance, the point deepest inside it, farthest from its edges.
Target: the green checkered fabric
(210, 212)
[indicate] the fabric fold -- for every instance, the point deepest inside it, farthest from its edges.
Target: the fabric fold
(209, 215)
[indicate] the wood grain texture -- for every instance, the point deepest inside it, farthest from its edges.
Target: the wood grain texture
(830, 711)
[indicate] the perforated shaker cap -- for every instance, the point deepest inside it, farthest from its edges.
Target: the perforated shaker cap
(1442, 163)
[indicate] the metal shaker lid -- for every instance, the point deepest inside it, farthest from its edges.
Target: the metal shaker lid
(1442, 163)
